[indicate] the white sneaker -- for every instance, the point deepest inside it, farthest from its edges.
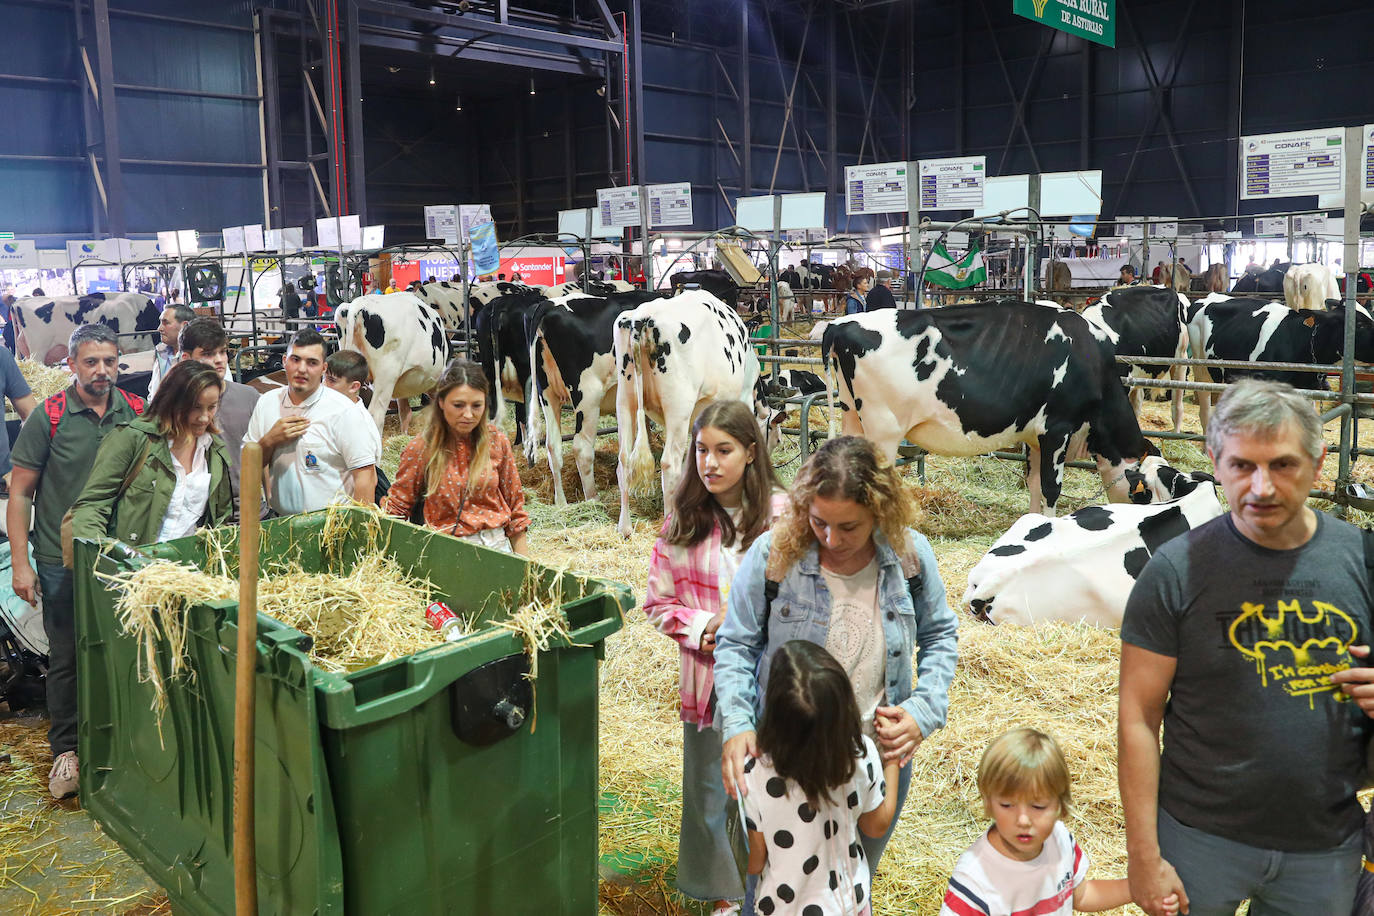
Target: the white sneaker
(62, 779)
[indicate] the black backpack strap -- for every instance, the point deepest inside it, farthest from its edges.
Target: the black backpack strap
(1367, 537)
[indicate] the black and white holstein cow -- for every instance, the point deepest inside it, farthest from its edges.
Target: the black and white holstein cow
(405, 345)
(572, 355)
(1083, 566)
(44, 323)
(1146, 321)
(1220, 327)
(716, 282)
(504, 352)
(674, 356)
(968, 380)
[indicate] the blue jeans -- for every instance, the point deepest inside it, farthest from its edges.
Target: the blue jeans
(1218, 874)
(705, 866)
(59, 620)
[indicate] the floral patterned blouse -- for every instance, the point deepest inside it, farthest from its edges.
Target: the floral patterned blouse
(497, 501)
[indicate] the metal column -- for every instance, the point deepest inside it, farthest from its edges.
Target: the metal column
(352, 58)
(746, 181)
(101, 115)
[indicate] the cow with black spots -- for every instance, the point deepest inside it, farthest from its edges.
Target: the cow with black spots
(818, 785)
(969, 380)
(1082, 567)
(405, 345)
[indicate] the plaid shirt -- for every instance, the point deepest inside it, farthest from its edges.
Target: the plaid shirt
(684, 594)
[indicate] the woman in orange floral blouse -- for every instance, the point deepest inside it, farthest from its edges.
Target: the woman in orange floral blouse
(461, 469)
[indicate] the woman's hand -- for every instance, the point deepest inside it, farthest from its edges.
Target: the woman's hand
(898, 733)
(708, 635)
(733, 756)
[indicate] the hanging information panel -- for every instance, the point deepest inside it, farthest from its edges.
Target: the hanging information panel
(1166, 228)
(1271, 226)
(470, 215)
(953, 184)
(441, 223)
(1369, 157)
(619, 206)
(877, 188)
(670, 204)
(1292, 164)
(18, 253)
(1310, 224)
(1094, 20)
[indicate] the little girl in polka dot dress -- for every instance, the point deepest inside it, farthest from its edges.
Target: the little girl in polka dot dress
(817, 782)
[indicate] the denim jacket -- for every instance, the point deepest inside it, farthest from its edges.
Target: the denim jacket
(802, 611)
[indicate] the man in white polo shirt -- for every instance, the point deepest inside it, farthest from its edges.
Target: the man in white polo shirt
(315, 451)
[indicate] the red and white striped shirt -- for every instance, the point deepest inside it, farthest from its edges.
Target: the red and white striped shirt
(988, 883)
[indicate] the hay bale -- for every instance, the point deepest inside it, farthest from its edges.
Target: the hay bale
(44, 381)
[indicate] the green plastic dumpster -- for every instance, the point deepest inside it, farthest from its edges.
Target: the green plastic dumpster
(414, 786)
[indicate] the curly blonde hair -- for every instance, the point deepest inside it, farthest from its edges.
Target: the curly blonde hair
(847, 467)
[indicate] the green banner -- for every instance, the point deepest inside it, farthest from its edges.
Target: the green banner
(1094, 20)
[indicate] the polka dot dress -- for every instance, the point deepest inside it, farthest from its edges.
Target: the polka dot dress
(816, 864)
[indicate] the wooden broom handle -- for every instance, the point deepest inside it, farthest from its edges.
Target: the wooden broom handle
(245, 697)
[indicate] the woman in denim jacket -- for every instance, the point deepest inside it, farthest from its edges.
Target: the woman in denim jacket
(844, 585)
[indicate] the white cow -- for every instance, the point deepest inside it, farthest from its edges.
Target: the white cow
(674, 356)
(1308, 286)
(1083, 566)
(405, 346)
(43, 324)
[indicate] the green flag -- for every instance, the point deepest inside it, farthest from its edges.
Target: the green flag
(944, 270)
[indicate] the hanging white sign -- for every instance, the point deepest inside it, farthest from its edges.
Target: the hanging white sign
(670, 204)
(441, 223)
(1293, 164)
(619, 206)
(953, 184)
(18, 253)
(877, 188)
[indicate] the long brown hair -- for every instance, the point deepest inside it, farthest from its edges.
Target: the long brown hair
(695, 510)
(179, 394)
(846, 467)
(810, 724)
(440, 438)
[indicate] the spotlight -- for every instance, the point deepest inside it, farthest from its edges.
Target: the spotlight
(458, 103)
(601, 90)
(431, 74)
(531, 85)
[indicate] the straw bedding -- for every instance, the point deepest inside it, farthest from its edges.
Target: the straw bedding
(44, 381)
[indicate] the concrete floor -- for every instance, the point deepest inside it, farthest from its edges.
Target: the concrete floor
(54, 859)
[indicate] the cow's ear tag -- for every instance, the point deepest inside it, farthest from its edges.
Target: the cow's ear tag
(1309, 321)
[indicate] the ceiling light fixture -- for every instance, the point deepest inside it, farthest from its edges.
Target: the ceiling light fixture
(431, 74)
(531, 85)
(458, 103)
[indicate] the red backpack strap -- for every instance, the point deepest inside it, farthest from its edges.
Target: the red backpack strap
(135, 402)
(54, 406)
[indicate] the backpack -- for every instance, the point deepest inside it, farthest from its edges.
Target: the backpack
(56, 405)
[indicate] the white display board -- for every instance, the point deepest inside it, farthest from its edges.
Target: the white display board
(619, 206)
(1007, 192)
(253, 238)
(1164, 228)
(441, 223)
(803, 211)
(18, 253)
(232, 240)
(470, 215)
(755, 213)
(85, 249)
(1130, 227)
(574, 222)
(284, 240)
(1292, 164)
(143, 249)
(803, 236)
(1314, 224)
(1271, 226)
(1368, 158)
(877, 188)
(342, 232)
(952, 184)
(670, 204)
(373, 237)
(1071, 193)
(119, 250)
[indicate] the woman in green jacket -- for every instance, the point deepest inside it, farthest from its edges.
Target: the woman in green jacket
(165, 474)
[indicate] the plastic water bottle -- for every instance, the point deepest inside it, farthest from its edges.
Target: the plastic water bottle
(445, 621)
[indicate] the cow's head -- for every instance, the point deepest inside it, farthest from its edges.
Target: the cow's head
(1328, 333)
(769, 418)
(1154, 481)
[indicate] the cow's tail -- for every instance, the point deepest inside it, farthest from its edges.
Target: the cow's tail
(641, 455)
(827, 341)
(498, 378)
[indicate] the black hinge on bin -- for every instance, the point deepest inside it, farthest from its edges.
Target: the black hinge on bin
(493, 701)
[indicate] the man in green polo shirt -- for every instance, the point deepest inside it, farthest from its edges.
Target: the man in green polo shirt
(52, 457)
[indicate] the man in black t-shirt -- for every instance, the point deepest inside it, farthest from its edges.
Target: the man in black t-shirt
(880, 296)
(1244, 638)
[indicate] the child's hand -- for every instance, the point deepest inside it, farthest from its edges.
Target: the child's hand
(708, 635)
(898, 733)
(1171, 904)
(734, 755)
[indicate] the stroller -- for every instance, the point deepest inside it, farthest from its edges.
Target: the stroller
(23, 646)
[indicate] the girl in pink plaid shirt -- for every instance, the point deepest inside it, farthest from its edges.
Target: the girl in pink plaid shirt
(727, 497)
